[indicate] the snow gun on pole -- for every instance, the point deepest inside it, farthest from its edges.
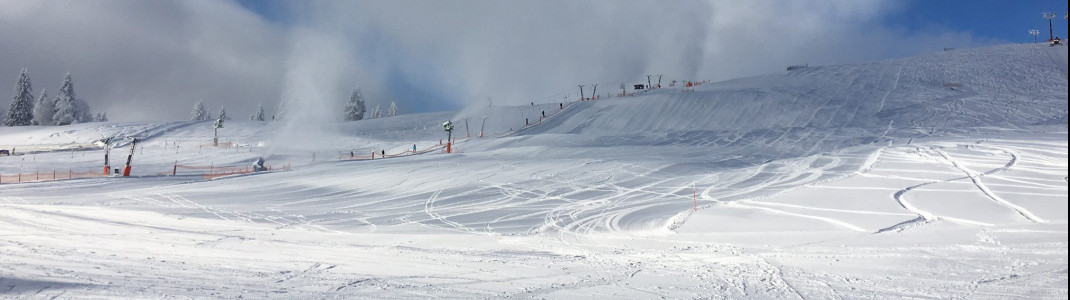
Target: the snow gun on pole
(448, 126)
(126, 169)
(107, 152)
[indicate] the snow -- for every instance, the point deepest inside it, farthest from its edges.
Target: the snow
(853, 181)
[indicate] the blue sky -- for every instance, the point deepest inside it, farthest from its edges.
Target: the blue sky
(1004, 20)
(982, 22)
(436, 55)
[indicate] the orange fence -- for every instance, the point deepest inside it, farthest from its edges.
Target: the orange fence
(48, 176)
(379, 155)
(212, 172)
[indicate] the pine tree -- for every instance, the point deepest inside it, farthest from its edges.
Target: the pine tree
(66, 105)
(104, 117)
(223, 113)
(21, 111)
(259, 114)
(44, 109)
(393, 109)
(199, 113)
(354, 109)
(378, 112)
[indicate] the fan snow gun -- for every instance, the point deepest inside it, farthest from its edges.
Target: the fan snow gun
(448, 127)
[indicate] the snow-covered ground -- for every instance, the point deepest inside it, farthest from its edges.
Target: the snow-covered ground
(854, 181)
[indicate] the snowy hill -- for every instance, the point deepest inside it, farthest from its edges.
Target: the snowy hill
(871, 180)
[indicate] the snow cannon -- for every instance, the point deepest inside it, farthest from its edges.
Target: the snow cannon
(448, 127)
(126, 169)
(258, 165)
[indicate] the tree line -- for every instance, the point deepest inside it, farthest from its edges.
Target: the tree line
(65, 109)
(354, 110)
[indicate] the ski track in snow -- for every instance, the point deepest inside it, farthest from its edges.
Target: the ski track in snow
(976, 179)
(593, 201)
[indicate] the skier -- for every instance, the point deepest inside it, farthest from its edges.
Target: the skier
(384, 153)
(413, 148)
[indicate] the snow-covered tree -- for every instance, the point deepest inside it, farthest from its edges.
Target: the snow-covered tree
(223, 113)
(259, 114)
(44, 109)
(354, 109)
(199, 113)
(393, 109)
(101, 117)
(378, 112)
(21, 111)
(67, 105)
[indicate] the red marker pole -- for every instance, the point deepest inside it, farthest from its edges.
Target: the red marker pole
(694, 194)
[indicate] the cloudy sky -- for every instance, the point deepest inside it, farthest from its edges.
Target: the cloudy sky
(152, 60)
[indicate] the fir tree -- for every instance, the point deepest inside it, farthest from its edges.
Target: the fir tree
(393, 109)
(44, 109)
(259, 114)
(199, 113)
(223, 113)
(66, 104)
(21, 111)
(378, 112)
(354, 109)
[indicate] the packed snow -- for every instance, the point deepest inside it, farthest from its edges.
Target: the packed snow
(940, 176)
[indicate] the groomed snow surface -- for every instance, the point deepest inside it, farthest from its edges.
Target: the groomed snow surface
(835, 182)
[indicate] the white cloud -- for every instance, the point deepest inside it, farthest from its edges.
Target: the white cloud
(154, 59)
(519, 51)
(144, 60)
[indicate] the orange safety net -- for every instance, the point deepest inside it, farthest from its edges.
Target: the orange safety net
(48, 176)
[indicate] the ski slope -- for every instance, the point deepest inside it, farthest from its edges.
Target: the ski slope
(872, 180)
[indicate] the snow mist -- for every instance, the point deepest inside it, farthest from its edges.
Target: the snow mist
(309, 112)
